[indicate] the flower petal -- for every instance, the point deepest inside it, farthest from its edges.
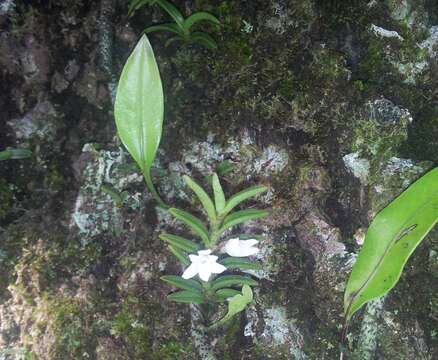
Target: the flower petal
(250, 242)
(191, 271)
(204, 252)
(193, 258)
(204, 272)
(217, 268)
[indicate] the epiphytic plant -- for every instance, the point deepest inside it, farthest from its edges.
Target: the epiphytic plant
(200, 282)
(391, 239)
(15, 154)
(182, 28)
(139, 109)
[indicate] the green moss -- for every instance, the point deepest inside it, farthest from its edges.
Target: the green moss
(133, 333)
(54, 180)
(174, 350)
(73, 328)
(6, 197)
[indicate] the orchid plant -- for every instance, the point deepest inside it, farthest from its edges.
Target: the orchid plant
(181, 28)
(204, 261)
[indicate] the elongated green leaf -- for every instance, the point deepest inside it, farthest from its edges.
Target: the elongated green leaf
(180, 242)
(240, 263)
(203, 39)
(179, 255)
(231, 280)
(187, 296)
(173, 39)
(134, 5)
(200, 16)
(186, 284)
(243, 195)
(224, 168)
(224, 294)
(236, 304)
(207, 203)
(162, 27)
(391, 238)
(242, 216)
(172, 11)
(115, 195)
(219, 196)
(193, 222)
(139, 108)
(15, 154)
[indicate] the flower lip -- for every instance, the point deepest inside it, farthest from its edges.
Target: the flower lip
(241, 248)
(203, 265)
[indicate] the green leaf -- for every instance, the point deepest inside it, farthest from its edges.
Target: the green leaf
(193, 222)
(219, 196)
(207, 203)
(173, 12)
(200, 16)
(115, 195)
(15, 154)
(224, 294)
(186, 284)
(391, 238)
(187, 296)
(134, 5)
(173, 39)
(203, 39)
(163, 27)
(180, 242)
(240, 263)
(139, 108)
(236, 304)
(179, 255)
(243, 195)
(242, 216)
(224, 167)
(231, 280)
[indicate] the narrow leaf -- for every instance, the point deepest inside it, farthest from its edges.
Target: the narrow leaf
(203, 39)
(134, 5)
(207, 203)
(186, 296)
(113, 193)
(162, 27)
(224, 294)
(15, 154)
(242, 196)
(172, 11)
(236, 304)
(186, 284)
(193, 222)
(180, 242)
(232, 280)
(179, 255)
(173, 39)
(219, 196)
(242, 216)
(200, 16)
(224, 167)
(391, 238)
(240, 263)
(139, 108)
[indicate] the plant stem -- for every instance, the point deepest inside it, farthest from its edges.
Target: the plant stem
(154, 192)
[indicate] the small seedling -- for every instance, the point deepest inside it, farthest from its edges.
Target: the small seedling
(182, 28)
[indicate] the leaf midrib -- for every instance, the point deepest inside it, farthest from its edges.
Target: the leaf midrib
(389, 246)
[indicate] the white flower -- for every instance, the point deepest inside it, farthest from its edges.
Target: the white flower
(240, 248)
(204, 265)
